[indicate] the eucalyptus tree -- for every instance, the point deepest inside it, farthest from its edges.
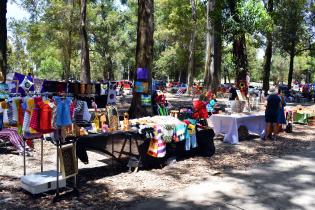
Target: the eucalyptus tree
(292, 36)
(3, 37)
(144, 53)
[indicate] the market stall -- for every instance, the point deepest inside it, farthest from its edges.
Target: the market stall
(228, 124)
(301, 114)
(110, 143)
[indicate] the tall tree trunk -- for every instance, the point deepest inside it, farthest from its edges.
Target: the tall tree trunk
(217, 56)
(209, 45)
(239, 47)
(292, 55)
(105, 72)
(3, 38)
(268, 53)
(192, 46)
(68, 55)
(240, 57)
(214, 46)
(144, 53)
(110, 68)
(85, 75)
(69, 44)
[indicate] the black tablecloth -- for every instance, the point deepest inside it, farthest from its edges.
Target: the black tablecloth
(103, 143)
(100, 142)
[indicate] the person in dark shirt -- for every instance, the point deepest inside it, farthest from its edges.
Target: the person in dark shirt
(233, 93)
(271, 113)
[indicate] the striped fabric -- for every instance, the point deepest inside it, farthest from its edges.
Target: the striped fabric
(12, 135)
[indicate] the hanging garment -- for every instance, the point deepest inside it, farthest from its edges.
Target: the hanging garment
(86, 113)
(72, 108)
(180, 132)
(10, 114)
(35, 121)
(78, 112)
(53, 107)
(63, 116)
(15, 110)
(4, 107)
(27, 114)
(157, 147)
(45, 118)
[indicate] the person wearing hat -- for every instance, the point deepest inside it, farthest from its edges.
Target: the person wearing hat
(271, 113)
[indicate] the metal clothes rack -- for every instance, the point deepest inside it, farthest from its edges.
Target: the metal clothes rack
(58, 143)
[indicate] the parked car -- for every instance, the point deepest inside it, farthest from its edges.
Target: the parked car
(182, 88)
(253, 90)
(159, 85)
(124, 86)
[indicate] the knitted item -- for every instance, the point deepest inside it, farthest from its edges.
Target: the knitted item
(14, 110)
(63, 116)
(86, 113)
(10, 114)
(35, 120)
(45, 118)
(5, 114)
(27, 114)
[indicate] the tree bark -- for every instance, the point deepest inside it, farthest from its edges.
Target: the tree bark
(268, 53)
(209, 46)
(85, 75)
(214, 47)
(3, 38)
(267, 65)
(217, 56)
(192, 46)
(239, 47)
(68, 55)
(69, 44)
(111, 76)
(105, 72)
(144, 53)
(292, 55)
(240, 57)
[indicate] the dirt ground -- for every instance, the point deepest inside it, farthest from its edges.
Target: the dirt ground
(102, 187)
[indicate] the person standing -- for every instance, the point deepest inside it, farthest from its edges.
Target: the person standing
(272, 114)
(281, 118)
(233, 93)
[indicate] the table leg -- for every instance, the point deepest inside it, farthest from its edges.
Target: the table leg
(122, 149)
(41, 155)
(24, 159)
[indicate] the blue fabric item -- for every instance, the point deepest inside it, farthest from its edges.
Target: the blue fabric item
(281, 117)
(210, 105)
(1, 121)
(273, 109)
(187, 144)
(63, 116)
(191, 142)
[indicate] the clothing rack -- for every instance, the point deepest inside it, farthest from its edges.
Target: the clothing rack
(58, 143)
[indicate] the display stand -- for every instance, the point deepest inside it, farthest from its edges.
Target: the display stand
(74, 189)
(60, 183)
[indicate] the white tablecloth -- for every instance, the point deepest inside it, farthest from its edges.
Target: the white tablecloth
(229, 124)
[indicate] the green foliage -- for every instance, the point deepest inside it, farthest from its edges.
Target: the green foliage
(291, 31)
(252, 19)
(49, 42)
(172, 36)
